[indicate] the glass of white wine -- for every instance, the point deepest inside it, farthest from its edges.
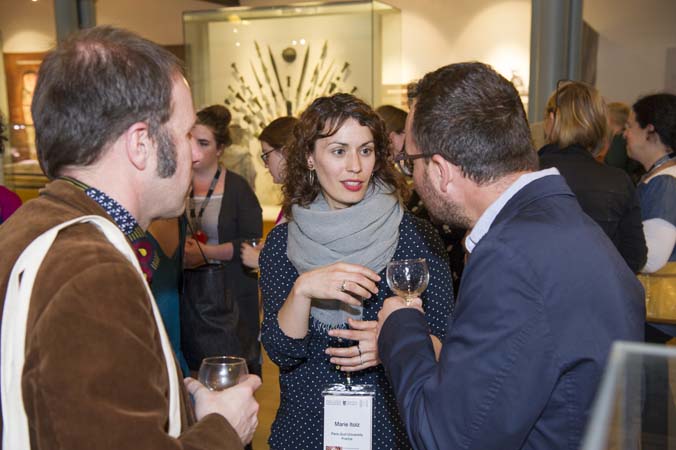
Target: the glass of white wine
(408, 278)
(221, 372)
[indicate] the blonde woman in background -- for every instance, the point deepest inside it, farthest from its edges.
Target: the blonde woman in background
(576, 127)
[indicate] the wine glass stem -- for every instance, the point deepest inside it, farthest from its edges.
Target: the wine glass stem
(408, 300)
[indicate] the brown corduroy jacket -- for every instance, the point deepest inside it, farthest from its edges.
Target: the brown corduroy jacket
(95, 376)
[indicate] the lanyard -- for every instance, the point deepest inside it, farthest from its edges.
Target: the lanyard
(205, 202)
(663, 160)
(666, 159)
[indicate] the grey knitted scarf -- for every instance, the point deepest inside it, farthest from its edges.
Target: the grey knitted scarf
(366, 233)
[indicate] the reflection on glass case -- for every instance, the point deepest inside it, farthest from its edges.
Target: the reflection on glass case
(19, 162)
(267, 62)
(634, 406)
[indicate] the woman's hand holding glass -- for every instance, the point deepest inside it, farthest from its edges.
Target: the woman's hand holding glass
(360, 356)
(345, 282)
(250, 251)
(348, 283)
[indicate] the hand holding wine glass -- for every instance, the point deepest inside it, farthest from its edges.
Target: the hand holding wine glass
(250, 250)
(237, 404)
(220, 372)
(408, 278)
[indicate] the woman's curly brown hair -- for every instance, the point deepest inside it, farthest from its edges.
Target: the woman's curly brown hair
(323, 118)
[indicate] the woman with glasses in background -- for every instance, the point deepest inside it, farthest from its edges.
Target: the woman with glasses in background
(323, 272)
(273, 139)
(651, 140)
(576, 129)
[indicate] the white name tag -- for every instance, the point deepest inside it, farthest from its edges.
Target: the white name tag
(348, 417)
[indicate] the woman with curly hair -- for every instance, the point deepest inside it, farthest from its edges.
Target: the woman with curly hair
(323, 272)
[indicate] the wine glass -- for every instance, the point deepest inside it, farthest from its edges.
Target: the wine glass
(408, 278)
(254, 242)
(221, 372)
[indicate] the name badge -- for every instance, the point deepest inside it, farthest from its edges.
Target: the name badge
(348, 417)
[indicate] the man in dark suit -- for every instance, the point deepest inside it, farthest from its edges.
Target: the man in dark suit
(544, 293)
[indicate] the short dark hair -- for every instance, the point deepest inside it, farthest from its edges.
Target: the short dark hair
(321, 119)
(394, 118)
(94, 86)
(474, 118)
(217, 118)
(278, 133)
(660, 111)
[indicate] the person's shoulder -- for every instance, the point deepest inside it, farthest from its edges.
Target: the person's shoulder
(274, 249)
(661, 183)
(618, 175)
(277, 236)
(414, 227)
(657, 196)
(237, 180)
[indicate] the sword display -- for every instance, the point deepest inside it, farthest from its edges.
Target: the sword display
(302, 76)
(247, 92)
(289, 109)
(260, 88)
(317, 71)
(266, 74)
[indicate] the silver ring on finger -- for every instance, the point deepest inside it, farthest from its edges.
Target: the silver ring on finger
(342, 286)
(358, 349)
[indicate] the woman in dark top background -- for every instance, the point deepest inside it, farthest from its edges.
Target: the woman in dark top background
(224, 211)
(576, 128)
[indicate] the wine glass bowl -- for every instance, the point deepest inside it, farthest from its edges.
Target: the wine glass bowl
(408, 278)
(254, 242)
(221, 372)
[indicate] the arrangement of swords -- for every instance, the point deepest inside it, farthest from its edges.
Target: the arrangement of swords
(273, 96)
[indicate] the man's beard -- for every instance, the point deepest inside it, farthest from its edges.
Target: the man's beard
(440, 209)
(166, 153)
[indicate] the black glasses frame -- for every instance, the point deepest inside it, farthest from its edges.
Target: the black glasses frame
(266, 155)
(405, 161)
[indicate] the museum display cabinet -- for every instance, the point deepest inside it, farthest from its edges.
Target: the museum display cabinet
(267, 62)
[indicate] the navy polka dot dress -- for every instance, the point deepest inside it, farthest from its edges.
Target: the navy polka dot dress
(304, 367)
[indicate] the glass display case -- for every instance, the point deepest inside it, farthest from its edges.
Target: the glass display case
(22, 172)
(267, 62)
(634, 406)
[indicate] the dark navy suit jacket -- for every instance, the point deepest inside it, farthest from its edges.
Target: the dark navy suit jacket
(542, 298)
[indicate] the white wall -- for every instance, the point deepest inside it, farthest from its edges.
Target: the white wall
(157, 20)
(633, 42)
(27, 26)
(439, 32)
(634, 36)
(434, 32)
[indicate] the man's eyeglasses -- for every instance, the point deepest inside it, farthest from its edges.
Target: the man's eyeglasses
(266, 155)
(405, 161)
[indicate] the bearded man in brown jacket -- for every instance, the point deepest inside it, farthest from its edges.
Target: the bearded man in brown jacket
(113, 117)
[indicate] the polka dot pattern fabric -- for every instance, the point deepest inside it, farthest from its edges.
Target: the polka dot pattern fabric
(305, 369)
